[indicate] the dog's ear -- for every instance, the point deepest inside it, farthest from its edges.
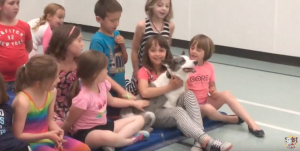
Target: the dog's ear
(183, 52)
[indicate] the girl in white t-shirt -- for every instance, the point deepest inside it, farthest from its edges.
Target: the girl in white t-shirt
(41, 28)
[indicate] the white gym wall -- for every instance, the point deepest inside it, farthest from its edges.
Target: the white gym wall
(262, 25)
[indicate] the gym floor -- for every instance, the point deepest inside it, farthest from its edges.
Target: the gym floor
(268, 91)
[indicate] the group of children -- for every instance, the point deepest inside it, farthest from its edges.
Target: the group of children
(69, 92)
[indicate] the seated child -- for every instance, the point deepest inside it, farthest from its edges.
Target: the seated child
(7, 138)
(34, 107)
(88, 116)
(202, 83)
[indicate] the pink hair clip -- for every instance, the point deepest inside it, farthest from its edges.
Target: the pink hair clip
(71, 31)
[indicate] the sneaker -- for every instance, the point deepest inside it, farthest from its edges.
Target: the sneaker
(218, 145)
(108, 148)
(196, 147)
(141, 136)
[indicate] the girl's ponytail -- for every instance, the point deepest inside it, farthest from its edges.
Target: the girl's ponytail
(42, 21)
(20, 79)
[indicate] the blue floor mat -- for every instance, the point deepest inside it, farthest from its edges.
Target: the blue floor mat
(160, 138)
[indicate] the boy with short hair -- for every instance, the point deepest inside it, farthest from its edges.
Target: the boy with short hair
(109, 41)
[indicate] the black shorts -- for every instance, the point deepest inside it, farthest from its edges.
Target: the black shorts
(81, 134)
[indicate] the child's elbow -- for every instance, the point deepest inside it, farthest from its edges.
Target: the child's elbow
(144, 94)
(18, 136)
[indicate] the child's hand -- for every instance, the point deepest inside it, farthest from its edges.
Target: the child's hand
(140, 104)
(212, 91)
(119, 39)
(175, 83)
(54, 136)
(61, 136)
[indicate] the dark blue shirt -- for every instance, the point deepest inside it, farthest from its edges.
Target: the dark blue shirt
(7, 140)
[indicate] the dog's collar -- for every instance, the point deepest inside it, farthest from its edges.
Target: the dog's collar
(168, 75)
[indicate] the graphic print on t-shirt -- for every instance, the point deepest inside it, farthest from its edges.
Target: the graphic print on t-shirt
(199, 78)
(2, 120)
(11, 37)
(102, 109)
(116, 60)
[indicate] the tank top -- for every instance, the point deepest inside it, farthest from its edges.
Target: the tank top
(36, 120)
(150, 32)
(64, 86)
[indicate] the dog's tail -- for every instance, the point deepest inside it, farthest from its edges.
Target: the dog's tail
(126, 112)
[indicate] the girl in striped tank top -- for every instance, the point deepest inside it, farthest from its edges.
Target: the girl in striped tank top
(34, 107)
(158, 22)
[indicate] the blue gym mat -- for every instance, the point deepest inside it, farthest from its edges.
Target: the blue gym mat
(160, 138)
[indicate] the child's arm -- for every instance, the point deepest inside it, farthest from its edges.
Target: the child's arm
(151, 92)
(21, 108)
(124, 53)
(28, 39)
(172, 28)
(51, 122)
(120, 40)
(121, 103)
(120, 90)
(74, 114)
(79, 105)
(212, 84)
(137, 38)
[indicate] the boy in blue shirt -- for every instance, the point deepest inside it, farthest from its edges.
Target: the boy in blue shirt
(109, 41)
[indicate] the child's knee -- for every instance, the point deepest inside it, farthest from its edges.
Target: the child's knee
(207, 109)
(225, 95)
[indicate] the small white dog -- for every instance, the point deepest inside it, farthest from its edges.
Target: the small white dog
(179, 66)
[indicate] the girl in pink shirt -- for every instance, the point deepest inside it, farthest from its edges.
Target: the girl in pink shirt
(87, 114)
(186, 116)
(202, 83)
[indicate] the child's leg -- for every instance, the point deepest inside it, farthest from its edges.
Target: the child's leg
(177, 116)
(189, 102)
(207, 110)
(127, 127)
(74, 145)
(102, 138)
(235, 106)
